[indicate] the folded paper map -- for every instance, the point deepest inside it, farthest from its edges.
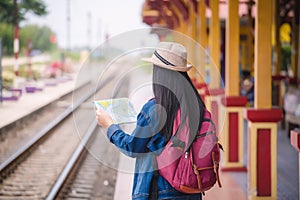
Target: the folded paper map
(120, 109)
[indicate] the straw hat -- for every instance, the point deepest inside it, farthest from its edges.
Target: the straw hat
(171, 56)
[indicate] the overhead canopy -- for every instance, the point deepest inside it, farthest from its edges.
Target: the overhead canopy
(162, 11)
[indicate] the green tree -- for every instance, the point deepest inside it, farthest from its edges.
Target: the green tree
(7, 36)
(7, 12)
(36, 7)
(39, 36)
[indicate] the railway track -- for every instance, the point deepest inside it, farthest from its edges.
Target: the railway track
(23, 130)
(40, 122)
(83, 180)
(43, 168)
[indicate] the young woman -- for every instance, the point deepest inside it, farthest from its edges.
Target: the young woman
(173, 91)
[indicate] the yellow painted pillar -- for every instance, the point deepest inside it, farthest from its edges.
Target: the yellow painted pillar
(214, 44)
(262, 119)
(192, 22)
(250, 36)
(214, 93)
(295, 142)
(181, 30)
(232, 133)
(276, 17)
(295, 39)
(186, 34)
(192, 33)
(202, 40)
(202, 25)
(232, 49)
(263, 56)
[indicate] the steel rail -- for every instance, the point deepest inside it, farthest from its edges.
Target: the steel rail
(74, 159)
(53, 193)
(4, 167)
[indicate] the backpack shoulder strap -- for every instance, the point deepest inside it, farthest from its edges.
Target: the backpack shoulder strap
(209, 120)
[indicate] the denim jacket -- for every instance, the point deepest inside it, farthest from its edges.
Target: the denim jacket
(141, 144)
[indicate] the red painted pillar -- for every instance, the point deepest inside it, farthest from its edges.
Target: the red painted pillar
(295, 142)
(262, 163)
(232, 137)
(212, 102)
(201, 88)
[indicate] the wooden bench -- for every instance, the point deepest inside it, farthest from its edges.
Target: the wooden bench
(32, 89)
(33, 86)
(14, 95)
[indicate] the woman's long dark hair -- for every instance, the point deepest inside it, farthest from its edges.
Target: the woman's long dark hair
(174, 90)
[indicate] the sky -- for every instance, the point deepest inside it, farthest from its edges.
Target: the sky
(107, 17)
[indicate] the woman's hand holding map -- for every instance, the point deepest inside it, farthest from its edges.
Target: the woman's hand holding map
(114, 111)
(103, 118)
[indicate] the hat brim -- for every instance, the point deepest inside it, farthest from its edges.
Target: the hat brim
(174, 68)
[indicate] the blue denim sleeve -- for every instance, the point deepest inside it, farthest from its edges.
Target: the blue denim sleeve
(144, 138)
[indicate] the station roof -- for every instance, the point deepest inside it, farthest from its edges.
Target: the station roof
(168, 12)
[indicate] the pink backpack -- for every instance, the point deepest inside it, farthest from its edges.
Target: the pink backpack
(194, 170)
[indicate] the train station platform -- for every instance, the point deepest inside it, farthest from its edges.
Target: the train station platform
(234, 184)
(29, 102)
